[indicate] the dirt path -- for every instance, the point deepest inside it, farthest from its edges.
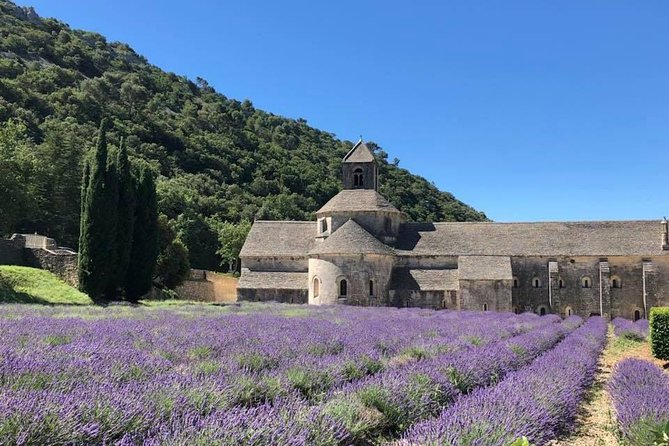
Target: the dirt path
(595, 424)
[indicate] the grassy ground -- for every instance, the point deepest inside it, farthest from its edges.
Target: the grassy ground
(19, 284)
(596, 424)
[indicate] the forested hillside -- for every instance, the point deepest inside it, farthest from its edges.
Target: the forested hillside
(217, 159)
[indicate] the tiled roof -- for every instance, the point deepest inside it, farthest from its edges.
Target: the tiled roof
(595, 238)
(273, 280)
(484, 268)
(424, 279)
(360, 153)
(351, 238)
(279, 239)
(352, 200)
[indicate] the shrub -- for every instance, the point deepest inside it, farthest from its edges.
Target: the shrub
(659, 332)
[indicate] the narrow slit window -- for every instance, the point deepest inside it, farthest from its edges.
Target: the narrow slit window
(343, 288)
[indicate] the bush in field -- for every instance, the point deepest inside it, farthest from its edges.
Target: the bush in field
(659, 332)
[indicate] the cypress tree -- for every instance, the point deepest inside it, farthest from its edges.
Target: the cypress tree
(126, 214)
(97, 240)
(144, 251)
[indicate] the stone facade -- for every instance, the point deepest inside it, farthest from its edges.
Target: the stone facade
(362, 251)
(38, 251)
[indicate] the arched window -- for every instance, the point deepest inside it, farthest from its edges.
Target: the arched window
(568, 311)
(358, 178)
(616, 282)
(343, 288)
(542, 311)
(586, 282)
(560, 283)
(536, 282)
(515, 282)
(485, 307)
(515, 310)
(317, 287)
(637, 315)
(371, 288)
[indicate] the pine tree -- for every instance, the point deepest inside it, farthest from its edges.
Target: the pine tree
(145, 239)
(97, 241)
(126, 215)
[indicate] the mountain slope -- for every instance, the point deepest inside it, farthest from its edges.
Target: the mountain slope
(219, 159)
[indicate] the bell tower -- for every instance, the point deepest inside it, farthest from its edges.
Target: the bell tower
(359, 168)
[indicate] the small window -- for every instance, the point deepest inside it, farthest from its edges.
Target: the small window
(515, 282)
(586, 282)
(317, 287)
(560, 283)
(536, 282)
(358, 179)
(616, 282)
(515, 310)
(343, 288)
(637, 315)
(485, 307)
(324, 226)
(371, 288)
(542, 311)
(568, 311)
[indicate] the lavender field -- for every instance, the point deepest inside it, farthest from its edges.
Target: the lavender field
(289, 375)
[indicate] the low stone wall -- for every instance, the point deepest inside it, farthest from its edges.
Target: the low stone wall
(11, 252)
(62, 265)
(208, 286)
(274, 295)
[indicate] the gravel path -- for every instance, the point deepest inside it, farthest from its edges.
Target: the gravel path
(596, 424)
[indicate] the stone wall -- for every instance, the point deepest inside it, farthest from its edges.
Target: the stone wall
(485, 295)
(208, 286)
(11, 252)
(274, 295)
(616, 285)
(62, 265)
(358, 271)
(293, 264)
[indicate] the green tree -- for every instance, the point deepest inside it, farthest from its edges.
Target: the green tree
(20, 177)
(231, 237)
(172, 267)
(126, 214)
(144, 251)
(97, 241)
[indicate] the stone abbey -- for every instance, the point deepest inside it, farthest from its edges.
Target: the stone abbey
(362, 251)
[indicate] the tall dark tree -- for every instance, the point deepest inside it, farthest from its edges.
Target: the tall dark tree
(126, 214)
(97, 241)
(145, 239)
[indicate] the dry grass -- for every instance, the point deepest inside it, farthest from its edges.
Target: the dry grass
(596, 424)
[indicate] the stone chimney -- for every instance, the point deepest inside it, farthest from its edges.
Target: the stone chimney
(665, 234)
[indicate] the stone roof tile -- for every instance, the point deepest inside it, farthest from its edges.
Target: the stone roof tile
(351, 238)
(273, 280)
(357, 200)
(594, 238)
(360, 153)
(484, 268)
(279, 239)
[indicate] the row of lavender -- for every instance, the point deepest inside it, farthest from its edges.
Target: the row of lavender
(538, 402)
(119, 376)
(366, 411)
(635, 330)
(640, 394)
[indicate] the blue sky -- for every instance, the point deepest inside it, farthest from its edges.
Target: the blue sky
(526, 110)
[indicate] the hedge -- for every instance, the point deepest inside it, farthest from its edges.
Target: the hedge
(659, 332)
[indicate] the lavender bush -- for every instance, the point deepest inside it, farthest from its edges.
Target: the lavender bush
(640, 393)
(624, 328)
(538, 401)
(241, 375)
